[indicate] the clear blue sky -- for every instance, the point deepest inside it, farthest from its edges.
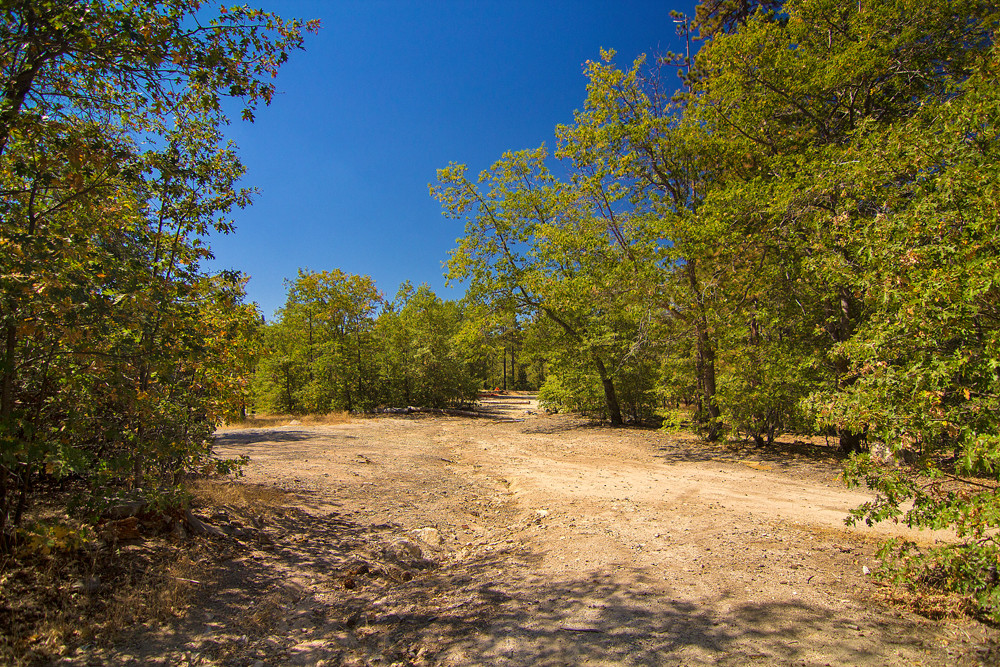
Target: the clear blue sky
(387, 93)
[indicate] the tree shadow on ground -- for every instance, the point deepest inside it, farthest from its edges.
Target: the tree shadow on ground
(257, 436)
(556, 424)
(309, 588)
(781, 453)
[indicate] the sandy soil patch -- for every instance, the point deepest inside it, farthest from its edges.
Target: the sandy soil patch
(526, 539)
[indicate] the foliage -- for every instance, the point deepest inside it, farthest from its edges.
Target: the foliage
(925, 366)
(113, 365)
(558, 250)
(863, 134)
(423, 360)
(566, 392)
(46, 537)
(715, 16)
(788, 98)
(801, 238)
(499, 343)
(320, 354)
(338, 345)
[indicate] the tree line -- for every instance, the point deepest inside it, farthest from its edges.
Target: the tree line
(339, 345)
(802, 235)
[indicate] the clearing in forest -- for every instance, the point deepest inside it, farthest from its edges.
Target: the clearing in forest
(526, 539)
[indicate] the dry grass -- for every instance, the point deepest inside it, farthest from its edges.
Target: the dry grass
(264, 614)
(156, 595)
(93, 591)
(246, 498)
(50, 604)
(929, 603)
(270, 421)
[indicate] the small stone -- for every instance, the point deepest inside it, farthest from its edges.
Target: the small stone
(88, 584)
(403, 551)
(126, 509)
(864, 568)
(431, 536)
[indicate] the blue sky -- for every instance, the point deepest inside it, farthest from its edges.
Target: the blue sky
(386, 94)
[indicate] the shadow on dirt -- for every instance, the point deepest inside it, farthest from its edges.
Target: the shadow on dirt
(305, 588)
(560, 424)
(255, 436)
(781, 453)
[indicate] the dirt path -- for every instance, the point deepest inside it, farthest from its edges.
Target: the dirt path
(545, 541)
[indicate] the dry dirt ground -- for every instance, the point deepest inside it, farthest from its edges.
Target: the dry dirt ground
(530, 539)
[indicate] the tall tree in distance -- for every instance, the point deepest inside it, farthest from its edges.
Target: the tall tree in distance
(325, 336)
(424, 360)
(726, 16)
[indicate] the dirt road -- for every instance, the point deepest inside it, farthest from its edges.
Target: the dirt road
(529, 539)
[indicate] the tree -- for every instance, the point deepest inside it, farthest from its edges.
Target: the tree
(321, 352)
(652, 168)
(786, 98)
(545, 247)
(112, 169)
(423, 359)
(924, 369)
(726, 16)
(869, 132)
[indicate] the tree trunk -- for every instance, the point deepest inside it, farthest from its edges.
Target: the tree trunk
(6, 423)
(288, 390)
(513, 368)
(138, 451)
(610, 397)
(504, 356)
(4, 508)
(7, 391)
(851, 442)
(709, 411)
(357, 340)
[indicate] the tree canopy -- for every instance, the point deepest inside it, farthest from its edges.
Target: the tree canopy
(801, 237)
(118, 353)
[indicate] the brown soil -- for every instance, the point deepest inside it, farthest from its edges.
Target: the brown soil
(561, 543)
